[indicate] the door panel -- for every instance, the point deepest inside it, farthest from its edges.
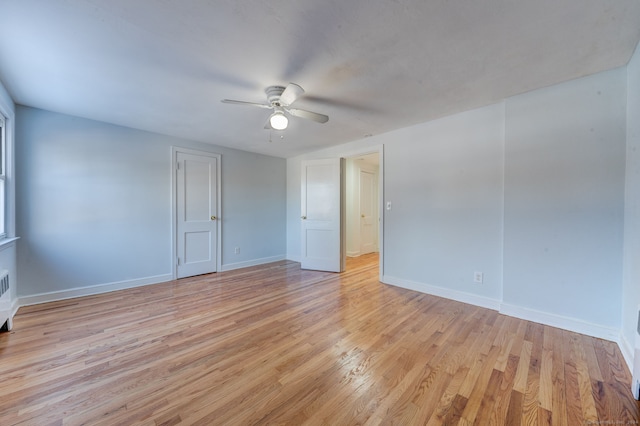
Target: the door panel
(319, 243)
(322, 215)
(196, 247)
(197, 204)
(197, 179)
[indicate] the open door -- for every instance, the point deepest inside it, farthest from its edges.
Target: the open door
(323, 215)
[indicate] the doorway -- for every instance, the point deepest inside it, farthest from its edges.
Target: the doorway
(363, 201)
(326, 197)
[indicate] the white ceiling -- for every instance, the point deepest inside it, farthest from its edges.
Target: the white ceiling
(371, 65)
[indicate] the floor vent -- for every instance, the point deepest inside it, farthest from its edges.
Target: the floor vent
(4, 282)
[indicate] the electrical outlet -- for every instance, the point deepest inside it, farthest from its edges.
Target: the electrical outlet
(237, 250)
(478, 277)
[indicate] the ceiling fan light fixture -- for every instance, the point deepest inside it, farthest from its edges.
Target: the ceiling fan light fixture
(278, 120)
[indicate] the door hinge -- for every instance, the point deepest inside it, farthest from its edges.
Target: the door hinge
(178, 261)
(177, 165)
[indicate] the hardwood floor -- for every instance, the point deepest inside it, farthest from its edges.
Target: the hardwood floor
(277, 345)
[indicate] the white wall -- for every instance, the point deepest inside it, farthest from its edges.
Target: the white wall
(95, 204)
(631, 281)
(529, 192)
(564, 200)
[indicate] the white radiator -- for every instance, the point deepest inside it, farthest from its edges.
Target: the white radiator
(635, 382)
(5, 301)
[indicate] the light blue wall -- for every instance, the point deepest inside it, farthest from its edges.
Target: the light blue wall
(564, 199)
(631, 288)
(253, 207)
(444, 180)
(95, 203)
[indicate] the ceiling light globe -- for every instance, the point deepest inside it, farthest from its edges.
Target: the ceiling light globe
(278, 121)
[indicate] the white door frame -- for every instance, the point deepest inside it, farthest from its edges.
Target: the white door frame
(174, 202)
(377, 149)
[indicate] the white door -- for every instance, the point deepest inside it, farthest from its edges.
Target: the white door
(196, 214)
(322, 215)
(368, 206)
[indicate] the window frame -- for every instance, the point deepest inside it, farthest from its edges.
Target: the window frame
(3, 178)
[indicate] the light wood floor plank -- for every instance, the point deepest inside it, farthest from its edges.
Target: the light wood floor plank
(274, 344)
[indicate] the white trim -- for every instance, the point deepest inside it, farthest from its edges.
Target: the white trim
(91, 290)
(559, 321)
(174, 214)
(14, 307)
(294, 258)
(7, 109)
(8, 242)
(460, 296)
(627, 350)
(571, 324)
(248, 263)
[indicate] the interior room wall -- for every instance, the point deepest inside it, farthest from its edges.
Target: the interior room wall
(444, 180)
(631, 276)
(564, 200)
(95, 204)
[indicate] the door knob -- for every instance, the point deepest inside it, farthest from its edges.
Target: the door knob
(303, 217)
(362, 216)
(213, 218)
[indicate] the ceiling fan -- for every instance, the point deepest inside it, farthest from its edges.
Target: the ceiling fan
(279, 100)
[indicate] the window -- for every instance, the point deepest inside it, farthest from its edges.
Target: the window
(3, 179)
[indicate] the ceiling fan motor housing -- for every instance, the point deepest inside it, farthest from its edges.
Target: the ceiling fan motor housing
(273, 94)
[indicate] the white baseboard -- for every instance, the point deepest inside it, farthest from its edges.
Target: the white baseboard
(121, 285)
(295, 258)
(553, 320)
(559, 321)
(460, 296)
(254, 262)
(91, 290)
(14, 307)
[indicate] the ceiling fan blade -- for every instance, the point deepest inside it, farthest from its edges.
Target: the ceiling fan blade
(318, 118)
(231, 101)
(290, 94)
